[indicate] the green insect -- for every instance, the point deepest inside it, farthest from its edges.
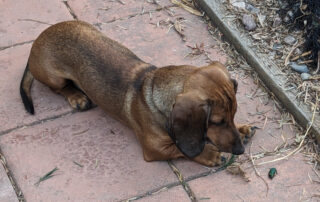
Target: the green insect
(272, 173)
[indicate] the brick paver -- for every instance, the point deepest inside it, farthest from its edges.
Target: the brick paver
(292, 183)
(12, 112)
(113, 165)
(23, 21)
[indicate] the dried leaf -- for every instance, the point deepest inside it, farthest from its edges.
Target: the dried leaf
(179, 28)
(187, 2)
(236, 169)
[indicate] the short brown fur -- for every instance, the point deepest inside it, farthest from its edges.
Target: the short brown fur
(175, 111)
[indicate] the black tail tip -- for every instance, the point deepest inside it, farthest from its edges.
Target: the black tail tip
(30, 109)
(27, 102)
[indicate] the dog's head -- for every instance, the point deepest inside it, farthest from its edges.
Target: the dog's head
(204, 113)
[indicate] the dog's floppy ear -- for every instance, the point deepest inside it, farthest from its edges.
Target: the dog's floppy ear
(188, 124)
(235, 85)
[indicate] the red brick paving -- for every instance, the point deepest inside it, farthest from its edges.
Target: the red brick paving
(113, 167)
(12, 113)
(15, 24)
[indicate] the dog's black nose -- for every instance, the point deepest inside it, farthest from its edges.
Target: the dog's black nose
(238, 150)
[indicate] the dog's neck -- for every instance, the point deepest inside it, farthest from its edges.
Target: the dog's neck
(172, 77)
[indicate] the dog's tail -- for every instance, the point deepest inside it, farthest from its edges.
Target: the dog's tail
(25, 90)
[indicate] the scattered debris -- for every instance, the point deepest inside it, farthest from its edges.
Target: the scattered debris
(122, 2)
(78, 164)
(231, 161)
(236, 169)
(190, 7)
(252, 9)
(46, 176)
(304, 15)
(262, 19)
(96, 164)
(299, 68)
(301, 142)
(288, 34)
(256, 170)
(104, 9)
(248, 22)
(179, 28)
(238, 4)
(276, 22)
(277, 46)
(204, 198)
(305, 76)
(290, 40)
(272, 173)
(196, 50)
(37, 21)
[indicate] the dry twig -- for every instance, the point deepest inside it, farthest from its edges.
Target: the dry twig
(38, 21)
(306, 62)
(122, 2)
(286, 61)
(187, 8)
(302, 55)
(179, 28)
(256, 171)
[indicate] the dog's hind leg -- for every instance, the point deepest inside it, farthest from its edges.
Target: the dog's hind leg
(77, 99)
(52, 78)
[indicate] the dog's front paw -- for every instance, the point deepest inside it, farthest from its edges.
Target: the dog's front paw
(215, 159)
(209, 157)
(247, 132)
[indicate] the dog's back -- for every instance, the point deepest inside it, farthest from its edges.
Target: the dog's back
(97, 65)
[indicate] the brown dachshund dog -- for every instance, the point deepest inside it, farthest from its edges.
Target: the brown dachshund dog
(175, 111)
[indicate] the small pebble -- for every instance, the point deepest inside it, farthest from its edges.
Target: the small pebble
(241, 5)
(299, 68)
(272, 55)
(252, 9)
(248, 22)
(305, 76)
(262, 18)
(276, 22)
(297, 51)
(277, 46)
(290, 40)
(290, 14)
(286, 19)
(283, 4)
